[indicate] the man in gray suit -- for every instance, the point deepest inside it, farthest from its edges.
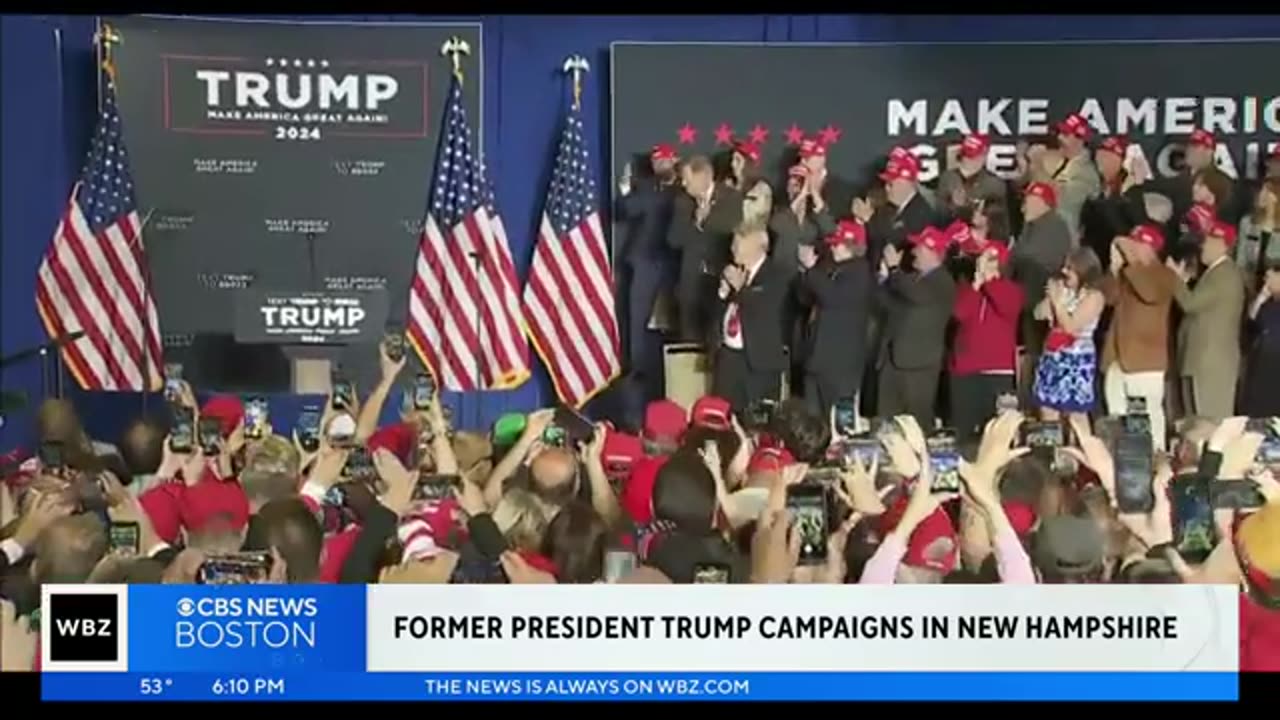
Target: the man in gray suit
(917, 308)
(1209, 337)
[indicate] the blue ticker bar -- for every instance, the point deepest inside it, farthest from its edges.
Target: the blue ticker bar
(319, 685)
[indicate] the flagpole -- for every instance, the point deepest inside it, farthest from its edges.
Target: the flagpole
(62, 127)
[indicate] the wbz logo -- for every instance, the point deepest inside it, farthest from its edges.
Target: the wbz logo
(82, 627)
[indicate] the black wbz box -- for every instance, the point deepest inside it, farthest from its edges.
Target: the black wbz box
(82, 628)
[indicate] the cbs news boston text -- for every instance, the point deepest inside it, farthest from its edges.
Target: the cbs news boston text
(634, 642)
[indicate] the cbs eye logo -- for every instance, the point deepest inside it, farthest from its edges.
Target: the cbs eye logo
(83, 628)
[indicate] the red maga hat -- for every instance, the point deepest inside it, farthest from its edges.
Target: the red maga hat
(974, 145)
(848, 232)
(1045, 191)
(1202, 138)
(1075, 126)
(662, 151)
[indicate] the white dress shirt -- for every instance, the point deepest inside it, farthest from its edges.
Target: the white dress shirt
(734, 341)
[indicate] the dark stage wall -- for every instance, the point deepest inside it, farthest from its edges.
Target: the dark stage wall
(48, 110)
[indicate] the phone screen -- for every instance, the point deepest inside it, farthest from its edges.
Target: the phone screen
(309, 429)
(618, 564)
(125, 537)
(359, 466)
(710, 573)
(1236, 495)
(210, 435)
(51, 456)
(394, 344)
(182, 438)
(235, 569)
(576, 427)
(846, 417)
(866, 449)
(759, 414)
(554, 436)
(431, 487)
(1134, 470)
(944, 463)
(342, 430)
(424, 390)
(256, 420)
(344, 394)
(808, 506)
(1194, 533)
(172, 381)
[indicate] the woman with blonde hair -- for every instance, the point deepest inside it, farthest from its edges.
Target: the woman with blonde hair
(1257, 246)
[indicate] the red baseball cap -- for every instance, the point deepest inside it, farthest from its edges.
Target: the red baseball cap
(932, 239)
(1202, 138)
(211, 501)
(1021, 516)
(925, 549)
(810, 147)
(711, 411)
(1223, 230)
(621, 449)
(228, 410)
(974, 145)
(1045, 191)
(662, 151)
(958, 232)
(848, 232)
(770, 460)
(1117, 144)
(901, 155)
(1148, 235)
(1075, 126)
(1200, 217)
(895, 170)
(664, 419)
(749, 150)
(799, 171)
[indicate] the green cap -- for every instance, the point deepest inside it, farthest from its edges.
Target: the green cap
(508, 428)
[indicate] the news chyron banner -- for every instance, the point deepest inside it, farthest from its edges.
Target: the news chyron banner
(636, 642)
(282, 156)
(862, 100)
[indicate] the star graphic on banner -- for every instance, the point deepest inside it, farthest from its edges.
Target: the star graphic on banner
(724, 134)
(795, 135)
(688, 134)
(759, 134)
(830, 134)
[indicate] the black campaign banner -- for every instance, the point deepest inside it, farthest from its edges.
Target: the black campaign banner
(265, 316)
(865, 99)
(281, 156)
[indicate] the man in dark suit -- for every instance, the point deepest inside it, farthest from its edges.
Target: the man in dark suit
(906, 213)
(747, 334)
(702, 227)
(918, 307)
(838, 290)
(646, 206)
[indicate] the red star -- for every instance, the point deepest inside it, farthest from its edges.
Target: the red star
(688, 134)
(794, 135)
(759, 134)
(830, 134)
(724, 134)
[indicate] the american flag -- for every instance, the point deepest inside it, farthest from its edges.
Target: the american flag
(569, 295)
(93, 277)
(464, 314)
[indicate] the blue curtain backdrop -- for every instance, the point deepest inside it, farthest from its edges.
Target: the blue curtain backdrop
(49, 97)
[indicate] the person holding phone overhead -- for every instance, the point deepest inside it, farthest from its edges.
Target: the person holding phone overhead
(1068, 368)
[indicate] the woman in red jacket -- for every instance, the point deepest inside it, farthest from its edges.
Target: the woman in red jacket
(985, 349)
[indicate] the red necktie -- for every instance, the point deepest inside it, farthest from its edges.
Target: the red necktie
(733, 326)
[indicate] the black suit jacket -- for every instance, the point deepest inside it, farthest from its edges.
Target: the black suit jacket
(647, 213)
(760, 306)
(918, 309)
(891, 226)
(841, 294)
(709, 245)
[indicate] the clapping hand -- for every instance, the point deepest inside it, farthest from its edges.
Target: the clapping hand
(862, 209)
(892, 256)
(735, 276)
(808, 256)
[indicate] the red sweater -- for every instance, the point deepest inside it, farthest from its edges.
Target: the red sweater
(986, 338)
